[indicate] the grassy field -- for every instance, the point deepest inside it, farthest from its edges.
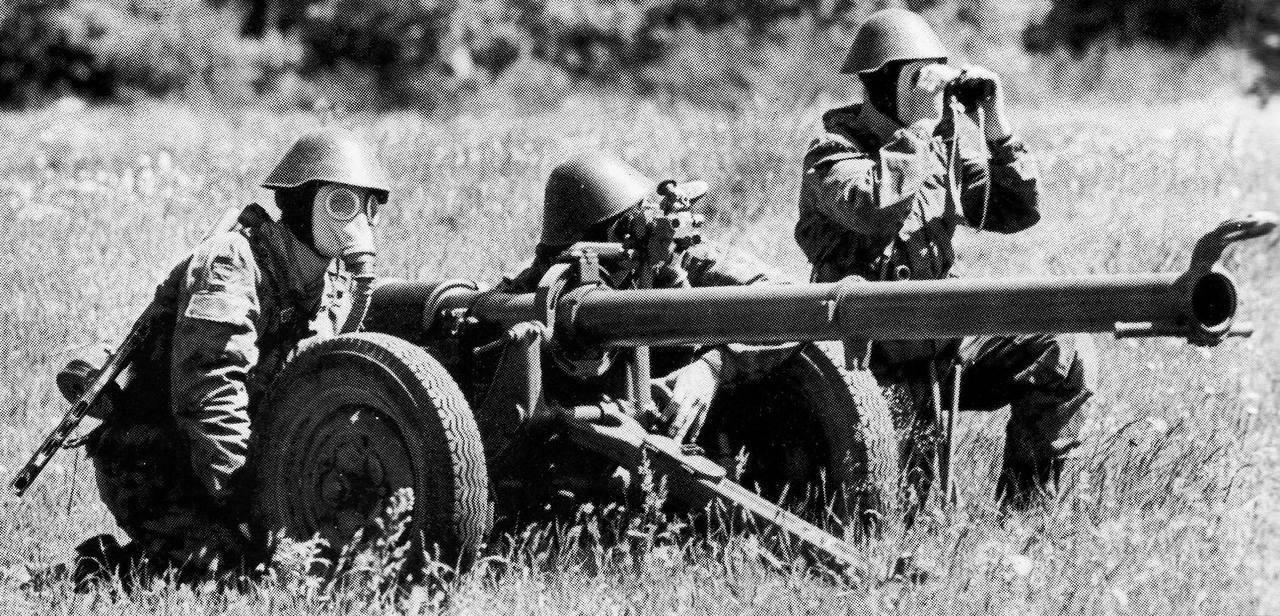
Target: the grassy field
(1174, 508)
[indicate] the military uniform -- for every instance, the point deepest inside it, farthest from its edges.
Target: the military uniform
(881, 201)
(170, 458)
(169, 462)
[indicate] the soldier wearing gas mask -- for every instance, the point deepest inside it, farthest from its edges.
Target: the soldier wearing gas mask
(587, 199)
(170, 461)
(883, 190)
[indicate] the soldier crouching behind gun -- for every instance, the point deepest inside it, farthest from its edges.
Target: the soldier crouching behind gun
(588, 198)
(170, 461)
(883, 190)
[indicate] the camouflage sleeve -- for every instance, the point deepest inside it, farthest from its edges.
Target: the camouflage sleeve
(214, 347)
(520, 281)
(1013, 201)
(711, 265)
(861, 194)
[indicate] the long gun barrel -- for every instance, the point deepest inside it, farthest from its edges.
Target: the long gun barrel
(1199, 304)
(906, 310)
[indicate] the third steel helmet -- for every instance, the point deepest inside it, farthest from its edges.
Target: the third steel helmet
(329, 155)
(892, 35)
(585, 190)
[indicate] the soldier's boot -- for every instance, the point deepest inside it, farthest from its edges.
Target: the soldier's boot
(1030, 473)
(101, 559)
(1021, 489)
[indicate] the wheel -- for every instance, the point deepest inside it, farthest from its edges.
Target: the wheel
(356, 419)
(816, 437)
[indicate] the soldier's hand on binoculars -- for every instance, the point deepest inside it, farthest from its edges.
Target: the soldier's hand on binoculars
(982, 73)
(994, 118)
(920, 88)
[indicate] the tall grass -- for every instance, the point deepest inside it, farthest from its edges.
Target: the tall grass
(1172, 507)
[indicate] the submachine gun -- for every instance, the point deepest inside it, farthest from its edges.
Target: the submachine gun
(573, 309)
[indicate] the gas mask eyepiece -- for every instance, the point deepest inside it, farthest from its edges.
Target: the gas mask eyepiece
(343, 203)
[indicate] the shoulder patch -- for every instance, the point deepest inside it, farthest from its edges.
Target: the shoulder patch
(224, 262)
(220, 307)
(221, 281)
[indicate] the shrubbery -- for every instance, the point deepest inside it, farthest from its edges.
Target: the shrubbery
(108, 50)
(1188, 26)
(396, 46)
(49, 49)
(421, 53)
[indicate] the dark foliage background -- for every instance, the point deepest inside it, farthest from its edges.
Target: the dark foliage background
(427, 53)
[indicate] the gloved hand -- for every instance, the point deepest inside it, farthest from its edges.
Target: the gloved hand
(684, 397)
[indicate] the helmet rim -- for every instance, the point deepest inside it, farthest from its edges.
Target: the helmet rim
(892, 35)
(329, 155)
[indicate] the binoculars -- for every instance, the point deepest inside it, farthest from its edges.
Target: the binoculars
(970, 91)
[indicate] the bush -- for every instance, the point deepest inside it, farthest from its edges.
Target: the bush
(1187, 24)
(1184, 25)
(101, 50)
(708, 51)
(47, 50)
(398, 47)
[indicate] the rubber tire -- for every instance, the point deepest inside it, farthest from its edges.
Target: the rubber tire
(422, 405)
(838, 418)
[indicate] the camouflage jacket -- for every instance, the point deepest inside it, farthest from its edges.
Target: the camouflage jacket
(876, 197)
(238, 305)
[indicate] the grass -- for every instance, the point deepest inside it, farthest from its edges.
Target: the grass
(1172, 508)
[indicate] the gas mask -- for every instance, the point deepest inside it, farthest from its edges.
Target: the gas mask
(342, 220)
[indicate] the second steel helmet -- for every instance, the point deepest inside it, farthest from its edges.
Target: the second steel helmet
(587, 189)
(329, 155)
(892, 35)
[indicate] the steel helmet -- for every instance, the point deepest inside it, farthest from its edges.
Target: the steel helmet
(586, 189)
(892, 35)
(329, 155)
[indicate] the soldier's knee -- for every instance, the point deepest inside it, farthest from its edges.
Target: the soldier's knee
(1065, 365)
(1082, 356)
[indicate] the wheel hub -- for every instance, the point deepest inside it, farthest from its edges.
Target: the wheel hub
(358, 460)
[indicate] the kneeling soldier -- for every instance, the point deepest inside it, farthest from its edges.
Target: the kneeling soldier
(170, 461)
(883, 190)
(587, 200)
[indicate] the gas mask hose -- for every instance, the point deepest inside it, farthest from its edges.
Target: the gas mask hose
(360, 267)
